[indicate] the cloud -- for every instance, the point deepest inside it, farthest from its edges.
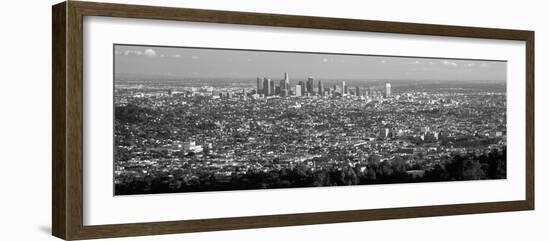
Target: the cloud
(150, 52)
(132, 52)
(449, 63)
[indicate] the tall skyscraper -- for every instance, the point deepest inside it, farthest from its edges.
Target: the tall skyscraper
(284, 93)
(267, 87)
(287, 81)
(320, 88)
(271, 87)
(357, 91)
(388, 90)
(309, 85)
(282, 85)
(298, 90)
(260, 85)
(344, 88)
(303, 86)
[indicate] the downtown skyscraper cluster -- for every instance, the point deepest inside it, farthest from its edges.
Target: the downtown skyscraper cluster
(267, 87)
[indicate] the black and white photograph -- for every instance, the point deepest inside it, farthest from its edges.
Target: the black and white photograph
(190, 119)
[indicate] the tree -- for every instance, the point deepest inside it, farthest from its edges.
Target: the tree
(455, 168)
(437, 173)
(473, 171)
(374, 159)
(496, 164)
(371, 174)
(399, 164)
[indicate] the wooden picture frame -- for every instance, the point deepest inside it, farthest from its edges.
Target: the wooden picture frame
(67, 123)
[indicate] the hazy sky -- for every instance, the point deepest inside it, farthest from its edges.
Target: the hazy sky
(214, 63)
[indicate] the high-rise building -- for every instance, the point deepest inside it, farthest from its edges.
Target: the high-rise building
(357, 91)
(284, 93)
(298, 90)
(303, 86)
(320, 88)
(267, 87)
(388, 90)
(309, 85)
(287, 81)
(260, 85)
(344, 88)
(282, 85)
(271, 87)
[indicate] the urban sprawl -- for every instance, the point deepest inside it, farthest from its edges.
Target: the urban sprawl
(306, 133)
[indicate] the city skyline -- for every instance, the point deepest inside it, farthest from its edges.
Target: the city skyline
(183, 62)
(276, 129)
(266, 87)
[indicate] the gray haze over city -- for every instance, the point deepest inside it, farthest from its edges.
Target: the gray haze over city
(228, 64)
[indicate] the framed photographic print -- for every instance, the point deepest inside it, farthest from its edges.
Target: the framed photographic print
(171, 120)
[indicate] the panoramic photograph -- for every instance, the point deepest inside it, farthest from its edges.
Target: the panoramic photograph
(190, 119)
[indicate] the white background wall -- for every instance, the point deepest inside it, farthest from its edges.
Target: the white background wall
(25, 119)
